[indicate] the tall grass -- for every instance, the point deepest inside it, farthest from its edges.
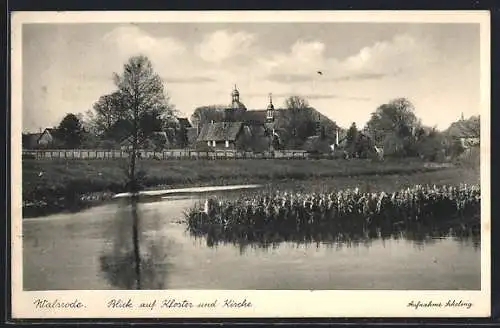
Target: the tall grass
(302, 217)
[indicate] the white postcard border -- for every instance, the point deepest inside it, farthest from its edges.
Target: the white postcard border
(263, 303)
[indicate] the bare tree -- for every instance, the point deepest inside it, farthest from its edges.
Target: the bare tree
(142, 94)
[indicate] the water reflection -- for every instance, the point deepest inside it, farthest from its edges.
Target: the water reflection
(339, 234)
(132, 260)
(95, 249)
(136, 254)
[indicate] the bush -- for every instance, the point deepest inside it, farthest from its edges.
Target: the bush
(108, 144)
(470, 157)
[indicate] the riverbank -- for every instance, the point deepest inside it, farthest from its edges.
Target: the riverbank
(52, 186)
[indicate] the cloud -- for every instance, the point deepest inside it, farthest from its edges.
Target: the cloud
(366, 76)
(307, 51)
(333, 96)
(382, 59)
(108, 54)
(302, 59)
(309, 96)
(222, 45)
(299, 78)
(402, 52)
(192, 79)
(291, 78)
(131, 40)
(361, 77)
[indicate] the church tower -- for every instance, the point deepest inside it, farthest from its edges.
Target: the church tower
(236, 108)
(270, 110)
(235, 95)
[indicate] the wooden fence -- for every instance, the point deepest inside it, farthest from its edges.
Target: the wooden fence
(163, 155)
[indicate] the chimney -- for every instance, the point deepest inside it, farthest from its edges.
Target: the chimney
(40, 129)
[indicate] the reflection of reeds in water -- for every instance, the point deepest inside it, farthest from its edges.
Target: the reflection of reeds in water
(420, 214)
(132, 262)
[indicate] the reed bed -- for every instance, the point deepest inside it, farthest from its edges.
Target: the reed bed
(271, 217)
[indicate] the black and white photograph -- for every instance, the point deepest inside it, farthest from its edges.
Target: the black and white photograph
(255, 153)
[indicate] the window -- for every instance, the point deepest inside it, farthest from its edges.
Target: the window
(213, 143)
(227, 143)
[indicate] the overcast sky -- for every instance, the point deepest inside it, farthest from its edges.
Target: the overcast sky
(67, 67)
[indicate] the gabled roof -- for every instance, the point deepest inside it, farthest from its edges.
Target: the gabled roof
(254, 116)
(220, 131)
(30, 139)
(53, 132)
(257, 130)
(258, 116)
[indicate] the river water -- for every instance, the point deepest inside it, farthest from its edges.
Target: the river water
(95, 249)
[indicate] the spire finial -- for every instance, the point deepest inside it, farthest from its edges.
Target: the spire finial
(271, 98)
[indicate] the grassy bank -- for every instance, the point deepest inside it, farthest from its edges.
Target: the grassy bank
(61, 182)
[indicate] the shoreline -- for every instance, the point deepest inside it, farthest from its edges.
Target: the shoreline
(71, 185)
(384, 181)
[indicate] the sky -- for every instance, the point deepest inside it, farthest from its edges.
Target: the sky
(67, 67)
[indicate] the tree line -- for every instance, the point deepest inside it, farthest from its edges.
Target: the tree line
(140, 106)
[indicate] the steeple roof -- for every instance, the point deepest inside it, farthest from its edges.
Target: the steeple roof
(235, 91)
(235, 100)
(270, 106)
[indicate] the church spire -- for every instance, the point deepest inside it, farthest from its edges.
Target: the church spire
(235, 96)
(270, 109)
(270, 106)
